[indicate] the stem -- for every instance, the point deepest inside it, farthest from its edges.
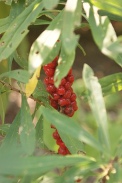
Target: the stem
(19, 91)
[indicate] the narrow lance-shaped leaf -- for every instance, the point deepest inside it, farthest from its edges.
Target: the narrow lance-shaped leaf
(12, 134)
(39, 165)
(74, 146)
(111, 84)
(20, 75)
(70, 127)
(72, 12)
(18, 29)
(97, 105)
(50, 4)
(65, 62)
(111, 6)
(102, 26)
(26, 130)
(45, 43)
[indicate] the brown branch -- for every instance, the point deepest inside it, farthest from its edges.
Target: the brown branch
(19, 91)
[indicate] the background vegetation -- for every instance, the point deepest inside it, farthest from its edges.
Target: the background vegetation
(28, 153)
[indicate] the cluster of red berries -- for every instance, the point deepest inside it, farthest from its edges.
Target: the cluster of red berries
(62, 98)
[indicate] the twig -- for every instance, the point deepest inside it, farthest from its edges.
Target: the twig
(19, 91)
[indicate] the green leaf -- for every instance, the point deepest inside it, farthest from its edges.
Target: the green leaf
(65, 62)
(12, 134)
(47, 136)
(26, 130)
(20, 61)
(50, 4)
(45, 43)
(116, 46)
(4, 128)
(39, 130)
(111, 84)
(41, 22)
(74, 146)
(16, 9)
(97, 105)
(38, 165)
(20, 75)
(68, 126)
(102, 26)
(18, 29)
(111, 6)
(111, 16)
(72, 12)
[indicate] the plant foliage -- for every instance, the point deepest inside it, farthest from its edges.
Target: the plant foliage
(27, 151)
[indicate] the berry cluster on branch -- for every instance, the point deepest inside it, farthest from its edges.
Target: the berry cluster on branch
(62, 98)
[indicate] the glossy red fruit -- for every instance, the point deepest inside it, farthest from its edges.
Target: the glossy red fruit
(55, 96)
(67, 94)
(68, 110)
(70, 72)
(70, 79)
(51, 88)
(62, 102)
(56, 135)
(73, 97)
(54, 104)
(53, 64)
(63, 81)
(49, 72)
(67, 86)
(62, 151)
(61, 90)
(74, 105)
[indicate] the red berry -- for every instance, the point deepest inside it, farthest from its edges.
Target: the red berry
(62, 151)
(71, 114)
(70, 72)
(68, 110)
(49, 72)
(51, 80)
(73, 97)
(45, 67)
(46, 81)
(63, 81)
(67, 85)
(68, 102)
(74, 106)
(53, 64)
(51, 88)
(61, 90)
(56, 96)
(70, 79)
(62, 102)
(67, 94)
(56, 135)
(54, 104)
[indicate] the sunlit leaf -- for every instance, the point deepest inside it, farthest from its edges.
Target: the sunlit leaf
(111, 6)
(45, 43)
(18, 29)
(72, 12)
(97, 105)
(65, 62)
(102, 26)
